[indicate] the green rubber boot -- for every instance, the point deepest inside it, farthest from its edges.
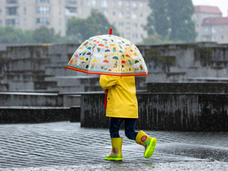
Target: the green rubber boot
(148, 142)
(116, 153)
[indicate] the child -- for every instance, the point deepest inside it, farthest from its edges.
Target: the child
(122, 106)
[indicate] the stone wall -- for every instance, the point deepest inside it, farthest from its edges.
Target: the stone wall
(186, 62)
(41, 66)
(165, 111)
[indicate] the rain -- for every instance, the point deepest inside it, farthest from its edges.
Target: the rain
(53, 109)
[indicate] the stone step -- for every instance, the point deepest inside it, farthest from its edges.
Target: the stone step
(30, 99)
(4, 87)
(44, 85)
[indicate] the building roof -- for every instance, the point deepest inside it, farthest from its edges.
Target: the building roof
(207, 9)
(215, 21)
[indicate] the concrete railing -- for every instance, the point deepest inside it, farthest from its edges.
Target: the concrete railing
(165, 111)
(35, 107)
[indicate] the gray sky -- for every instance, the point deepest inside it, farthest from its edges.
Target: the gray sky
(222, 4)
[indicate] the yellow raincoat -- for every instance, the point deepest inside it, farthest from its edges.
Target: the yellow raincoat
(122, 101)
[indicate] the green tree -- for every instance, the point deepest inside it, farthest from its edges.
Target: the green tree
(158, 21)
(172, 19)
(182, 26)
(44, 35)
(156, 39)
(10, 34)
(78, 30)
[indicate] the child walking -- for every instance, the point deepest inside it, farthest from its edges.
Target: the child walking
(122, 106)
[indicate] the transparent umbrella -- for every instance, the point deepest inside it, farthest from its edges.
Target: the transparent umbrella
(108, 55)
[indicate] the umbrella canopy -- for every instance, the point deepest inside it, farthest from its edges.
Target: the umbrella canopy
(108, 55)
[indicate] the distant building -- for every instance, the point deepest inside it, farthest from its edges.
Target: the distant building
(128, 16)
(210, 25)
(215, 29)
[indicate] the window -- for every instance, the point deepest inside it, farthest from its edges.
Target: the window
(206, 29)
(213, 38)
(135, 25)
(128, 16)
(135, 35)
(113, 13)
(42, 21)
(104, 3)
(128, 35)
(113, 3)
(120, 3)
(134, 5)
(72, 9)
(213, 30)
(12, 11)
(0, 11)
(134, 15)
(43, 1)
(92, 2)
(121, 24)
(105, 13)
(71, 1)
(195, 17)
(11, 1)
(42, 10)
(25, 10)
(12, 22)
(121, 14)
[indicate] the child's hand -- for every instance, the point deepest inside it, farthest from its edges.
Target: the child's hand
(106, 91)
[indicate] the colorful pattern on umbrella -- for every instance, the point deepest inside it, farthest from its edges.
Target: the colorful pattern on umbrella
(108, 55)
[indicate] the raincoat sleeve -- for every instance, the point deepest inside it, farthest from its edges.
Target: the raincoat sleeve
(107, 82)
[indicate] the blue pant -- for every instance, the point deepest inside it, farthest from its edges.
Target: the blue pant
(115, 124)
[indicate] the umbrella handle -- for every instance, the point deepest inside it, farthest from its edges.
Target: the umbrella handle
(110, 31)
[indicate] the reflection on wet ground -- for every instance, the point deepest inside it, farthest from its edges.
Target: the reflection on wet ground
(67, 146)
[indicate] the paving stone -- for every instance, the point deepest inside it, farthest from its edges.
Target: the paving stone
(67, 146)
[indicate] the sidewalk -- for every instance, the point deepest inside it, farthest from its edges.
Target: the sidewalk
(67, 146)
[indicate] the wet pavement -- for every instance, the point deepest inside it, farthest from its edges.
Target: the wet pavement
(67, 146)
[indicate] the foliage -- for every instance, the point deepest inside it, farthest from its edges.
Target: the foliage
(172, 19)
(156, 39)
(79, 29)
(11, 35)
(43, 34)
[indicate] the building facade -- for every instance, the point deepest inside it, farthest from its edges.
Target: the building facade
(210, 25)
(215, 29)
(128, 16)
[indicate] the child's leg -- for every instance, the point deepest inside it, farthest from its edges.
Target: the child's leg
(130, 128)
(114, 127)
